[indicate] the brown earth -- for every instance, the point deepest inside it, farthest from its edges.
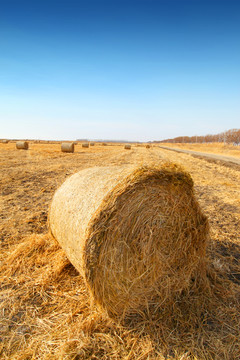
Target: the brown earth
(45, 312)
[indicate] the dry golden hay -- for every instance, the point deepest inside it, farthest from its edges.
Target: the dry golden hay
(137, 236)
(127, 147)
(67, 147)
(104, 144)
(85, 145)
(22, 145)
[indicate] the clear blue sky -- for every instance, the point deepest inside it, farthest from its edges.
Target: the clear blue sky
(120, 69)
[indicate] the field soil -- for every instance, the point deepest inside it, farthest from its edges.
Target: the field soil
(45, 309)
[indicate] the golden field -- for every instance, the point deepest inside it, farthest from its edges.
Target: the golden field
(45, 311)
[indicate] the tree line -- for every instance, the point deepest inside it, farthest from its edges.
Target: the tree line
(228, 137)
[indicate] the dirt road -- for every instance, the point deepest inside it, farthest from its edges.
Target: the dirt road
(212, 157)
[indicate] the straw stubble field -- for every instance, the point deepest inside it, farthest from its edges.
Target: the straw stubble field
(45, 311)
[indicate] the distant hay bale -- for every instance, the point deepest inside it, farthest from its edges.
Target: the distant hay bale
(85, 145)
(127, 147)
(137, 236)
(67, 147)
(22, 145)
(148, 146)
(92, 143)
(104, 144)
(4, 141)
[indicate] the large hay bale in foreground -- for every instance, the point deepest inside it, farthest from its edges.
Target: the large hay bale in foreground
(22, 145)
(67, 147)
(137, 236)
(127, 147)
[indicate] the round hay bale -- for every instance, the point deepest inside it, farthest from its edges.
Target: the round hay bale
(127, 147)
(137, 236)
(5, 141)
(85, 145)
(104, 144)
(92, 144)
(148, 146)
(67, 147)
(22, 145)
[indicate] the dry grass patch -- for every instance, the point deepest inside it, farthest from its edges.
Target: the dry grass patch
(46, 314)
(45, 309)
